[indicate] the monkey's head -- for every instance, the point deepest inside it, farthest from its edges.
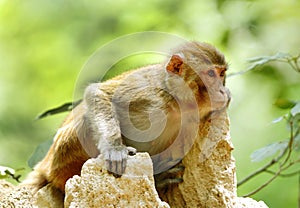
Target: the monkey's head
(196, 71)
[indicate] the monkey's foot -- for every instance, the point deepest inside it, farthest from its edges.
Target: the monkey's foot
(169, 177)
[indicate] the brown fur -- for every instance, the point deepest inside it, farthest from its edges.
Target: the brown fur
(100, 123)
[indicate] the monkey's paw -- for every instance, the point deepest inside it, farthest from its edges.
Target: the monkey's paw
(116, 159)
(169, 177)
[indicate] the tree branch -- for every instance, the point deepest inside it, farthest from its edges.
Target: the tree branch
(271, 179)
(288, 149)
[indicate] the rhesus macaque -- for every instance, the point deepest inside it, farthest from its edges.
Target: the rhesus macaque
(144, 110)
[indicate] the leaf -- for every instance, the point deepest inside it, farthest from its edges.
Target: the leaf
(261, 60)
(60, 109)
(284, 103)
(268, 151)
(297, 142)
(277, 120)
(6, 172)
(39, 153)
(296, 109)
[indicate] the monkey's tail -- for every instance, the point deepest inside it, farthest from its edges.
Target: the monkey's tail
(35, 181)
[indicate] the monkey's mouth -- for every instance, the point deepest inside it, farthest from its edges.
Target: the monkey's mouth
(221, 100)
(223, 108)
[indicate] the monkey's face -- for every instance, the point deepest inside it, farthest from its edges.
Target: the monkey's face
(198, 80)
(212, 92)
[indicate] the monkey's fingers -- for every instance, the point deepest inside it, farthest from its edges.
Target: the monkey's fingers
(116, 160)
(131, 151)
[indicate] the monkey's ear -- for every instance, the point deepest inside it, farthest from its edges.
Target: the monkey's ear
(175, 64)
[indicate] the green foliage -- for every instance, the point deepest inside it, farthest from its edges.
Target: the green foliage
(44, 44)
(6, 172)
(39, 153)
(284, 103)
(293, 124)
(268, 151)
(60, 109)
(295, 110)
(259, 61)
(286, 148)
(255, 62)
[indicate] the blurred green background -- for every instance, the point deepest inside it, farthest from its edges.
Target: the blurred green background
(44, 44)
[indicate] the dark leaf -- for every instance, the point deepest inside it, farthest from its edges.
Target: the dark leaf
(5, 172)
(60, 109)
(39, 153)
(261, 60)
(284, 103)
(268, 151)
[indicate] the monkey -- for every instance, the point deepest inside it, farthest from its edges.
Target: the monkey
(142, 110)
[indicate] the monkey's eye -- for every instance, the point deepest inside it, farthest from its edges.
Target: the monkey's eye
(222, 73)
(211, 73)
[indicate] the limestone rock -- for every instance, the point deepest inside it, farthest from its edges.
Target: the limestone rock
(248, 203)
(209, 176)
(5, 187)
(46, 197)
(209, 180)
(96, 188)
(14, 197)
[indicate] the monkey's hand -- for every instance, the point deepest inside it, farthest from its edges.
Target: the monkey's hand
(116, 158)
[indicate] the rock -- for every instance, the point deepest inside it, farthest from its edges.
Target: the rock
(5, 187)
(248, 202)
(209, 180)
(96, 188)
(49, 198)
(14, 197)
(209, 176)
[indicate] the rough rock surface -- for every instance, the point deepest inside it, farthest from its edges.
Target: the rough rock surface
(209, 176)
(5, 187)
(48, 198)
(209, 180)
(96, 188)
(14, 197)
(241, 202)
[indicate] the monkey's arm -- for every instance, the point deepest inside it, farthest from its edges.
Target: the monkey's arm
(106, 129)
